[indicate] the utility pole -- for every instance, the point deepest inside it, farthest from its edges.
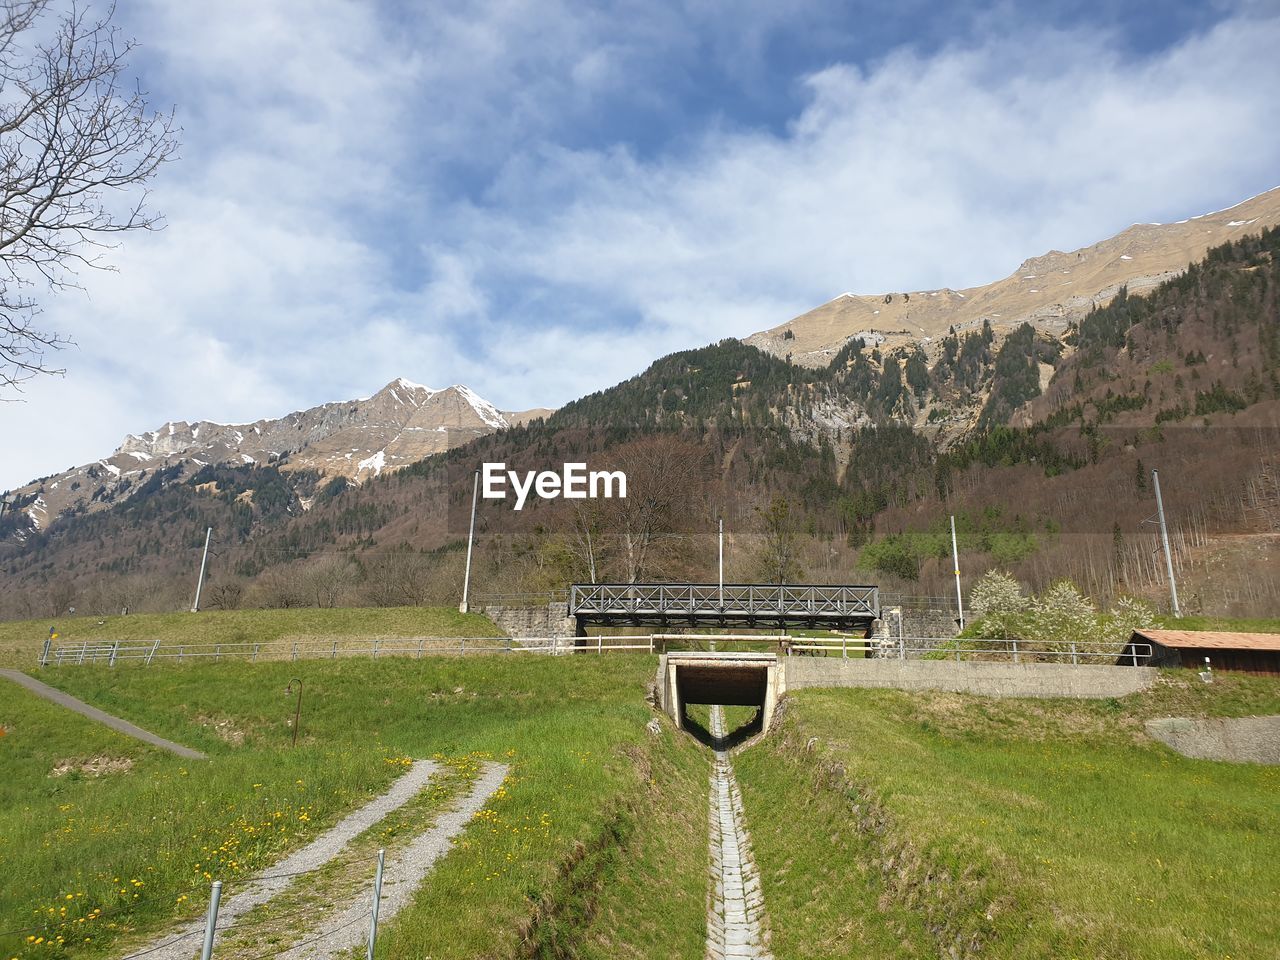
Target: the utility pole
(204, 562)
(471, 536)
(955, 555)
(1164, 539)
(721, 525)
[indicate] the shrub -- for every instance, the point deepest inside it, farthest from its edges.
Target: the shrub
(1062, 615)
(999, 606)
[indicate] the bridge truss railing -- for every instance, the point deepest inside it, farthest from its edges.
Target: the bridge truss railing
(732, 599)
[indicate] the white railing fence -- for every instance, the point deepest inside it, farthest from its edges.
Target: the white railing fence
(112, 652)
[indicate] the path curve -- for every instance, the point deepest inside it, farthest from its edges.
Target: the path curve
(55, 695)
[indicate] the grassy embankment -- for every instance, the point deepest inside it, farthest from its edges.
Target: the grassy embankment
(21, 640)
(595, 847)
(916, 824)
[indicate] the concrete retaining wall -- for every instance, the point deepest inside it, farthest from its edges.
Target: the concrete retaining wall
(1239, 739)
(985, 679)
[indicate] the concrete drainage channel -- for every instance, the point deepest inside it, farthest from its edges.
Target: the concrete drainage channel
(735, 920)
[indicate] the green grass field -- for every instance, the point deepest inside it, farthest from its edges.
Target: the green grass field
(883, 824)
(567, 860)
(920, 824)
(21, 640)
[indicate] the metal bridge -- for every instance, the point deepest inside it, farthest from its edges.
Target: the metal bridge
(835, 606)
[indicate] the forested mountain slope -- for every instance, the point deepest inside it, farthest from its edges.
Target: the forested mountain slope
(1040, 445)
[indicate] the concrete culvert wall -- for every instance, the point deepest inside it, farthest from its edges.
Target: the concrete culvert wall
(727, 678)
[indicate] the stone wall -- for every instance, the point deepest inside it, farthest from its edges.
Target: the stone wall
(986, 679)
(918, 623)
(547, 620)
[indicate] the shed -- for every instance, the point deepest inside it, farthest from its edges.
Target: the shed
(1237, 652)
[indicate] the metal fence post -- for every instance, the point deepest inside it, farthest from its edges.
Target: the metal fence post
(1015, 649)
(377, 902)
(600, 643)
(1074, 660)
(44, 653)
(115, 650)
(334, 655)
(211, 924)
(295, 650)
(375, 649)
(421, 641)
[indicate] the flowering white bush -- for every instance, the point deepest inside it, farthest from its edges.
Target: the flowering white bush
(1127, 615)
(1060, 616)
(998, 604)
(1063, 614)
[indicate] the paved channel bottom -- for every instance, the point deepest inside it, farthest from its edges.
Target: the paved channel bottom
(735, 920)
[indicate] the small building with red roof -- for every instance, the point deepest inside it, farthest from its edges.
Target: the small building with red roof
(1257, 653)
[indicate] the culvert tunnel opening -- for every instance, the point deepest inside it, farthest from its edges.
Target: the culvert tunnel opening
(733, 681)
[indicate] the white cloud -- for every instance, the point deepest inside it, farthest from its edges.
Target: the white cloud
(363, 197)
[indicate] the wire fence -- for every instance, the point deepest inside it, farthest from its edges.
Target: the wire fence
(112, 652)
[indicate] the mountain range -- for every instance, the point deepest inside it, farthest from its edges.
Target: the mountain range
(356, 439)
(1038, 435)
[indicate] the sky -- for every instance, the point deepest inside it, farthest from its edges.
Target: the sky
(537, 199)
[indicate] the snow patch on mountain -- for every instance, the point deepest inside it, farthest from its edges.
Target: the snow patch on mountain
(410, 385)
(486, 410)
(374, 463)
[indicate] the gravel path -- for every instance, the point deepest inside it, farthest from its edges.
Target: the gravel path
(93, 713)
(185, 943)
(401, 876)
(737, 908)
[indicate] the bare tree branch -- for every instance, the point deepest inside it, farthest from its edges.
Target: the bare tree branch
(73, 136)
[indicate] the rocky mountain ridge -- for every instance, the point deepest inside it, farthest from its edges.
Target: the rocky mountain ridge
(356, 439)
(1051, 291)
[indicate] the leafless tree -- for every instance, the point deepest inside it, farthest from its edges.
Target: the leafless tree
(663, 478)
(586, 540)
(328, 579)
(398, 578)
(777, 557)
(58, 597)
(225, 594)
(281, 587)
(73, 136)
